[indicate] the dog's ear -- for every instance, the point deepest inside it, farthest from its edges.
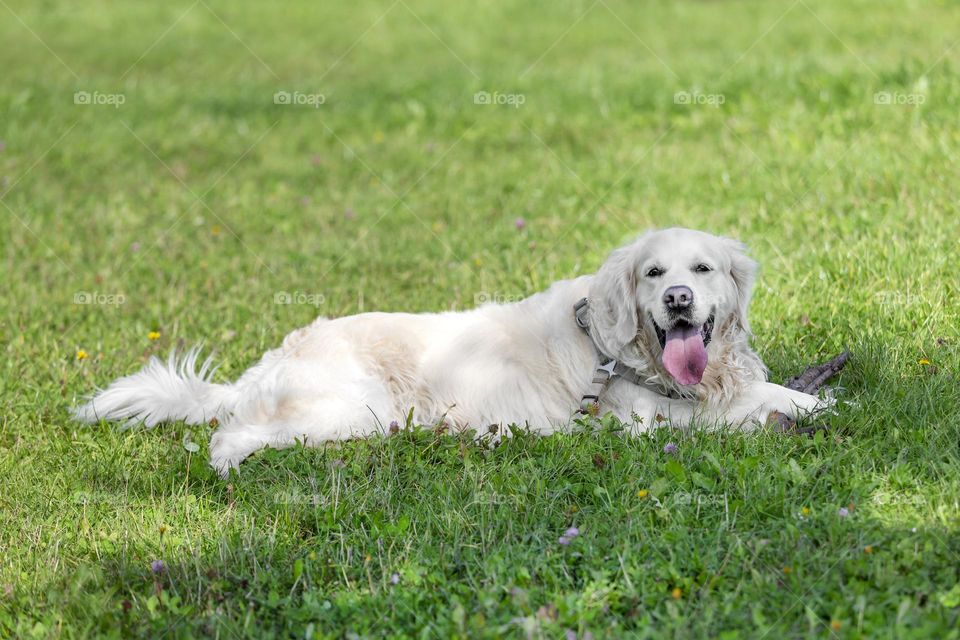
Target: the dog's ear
(743, 271)
(613, 300)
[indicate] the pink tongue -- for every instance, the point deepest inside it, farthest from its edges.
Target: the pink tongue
(684, 355)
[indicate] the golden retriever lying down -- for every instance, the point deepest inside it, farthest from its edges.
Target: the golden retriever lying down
(658, 333)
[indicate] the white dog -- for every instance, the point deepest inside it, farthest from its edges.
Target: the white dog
(658, 334)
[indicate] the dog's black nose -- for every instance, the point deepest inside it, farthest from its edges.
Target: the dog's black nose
(678, 298)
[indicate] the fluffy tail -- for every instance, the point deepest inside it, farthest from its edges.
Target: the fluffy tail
(162, 392)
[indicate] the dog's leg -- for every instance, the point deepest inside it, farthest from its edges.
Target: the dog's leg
(651, 410)
(233, 442)
(759, 400)
(751, 409)
(358, 409)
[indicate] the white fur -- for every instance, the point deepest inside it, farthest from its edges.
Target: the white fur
(524, 363)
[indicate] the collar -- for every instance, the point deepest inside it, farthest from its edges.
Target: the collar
(607, 367)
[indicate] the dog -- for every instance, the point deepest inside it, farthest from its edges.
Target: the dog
(658, 335)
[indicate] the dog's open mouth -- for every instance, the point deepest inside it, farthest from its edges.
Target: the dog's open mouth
(685, 349)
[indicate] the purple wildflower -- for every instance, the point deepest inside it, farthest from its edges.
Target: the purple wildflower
(564, 540)
(572, 532)
(395, 578)
(670, 448)
(843, 512)
(520, 224)
(157, 566)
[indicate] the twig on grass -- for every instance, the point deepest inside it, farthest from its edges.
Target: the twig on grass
(810, 381)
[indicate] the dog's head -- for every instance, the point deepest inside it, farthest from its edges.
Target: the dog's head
(667, 293)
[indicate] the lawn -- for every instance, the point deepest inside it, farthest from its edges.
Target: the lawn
(222, 172)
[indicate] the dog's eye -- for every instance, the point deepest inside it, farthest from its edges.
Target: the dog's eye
(703, 268)
(654, 272)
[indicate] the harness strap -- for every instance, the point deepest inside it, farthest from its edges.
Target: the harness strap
(607, 367)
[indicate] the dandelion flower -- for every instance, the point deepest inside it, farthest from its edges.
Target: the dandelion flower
(677, 593)
(643, 493)
(787, 570)
(153, 335)
(923, 361)
(81, 354)
(835, 625)
(805, 511)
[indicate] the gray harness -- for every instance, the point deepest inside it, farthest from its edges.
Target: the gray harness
(607, 367)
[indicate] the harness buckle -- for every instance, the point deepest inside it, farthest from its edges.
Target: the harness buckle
(579, 313)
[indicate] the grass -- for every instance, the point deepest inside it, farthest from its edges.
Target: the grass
(198, 206)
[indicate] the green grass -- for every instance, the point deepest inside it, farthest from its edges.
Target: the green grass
(198, 201)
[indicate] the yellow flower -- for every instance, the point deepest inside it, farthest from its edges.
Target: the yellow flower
(153, 335)
(868, 549)
(787, 569)
(643, 493)
(805, 511)
(367, 558)
(835, 625)
(81, 354)
(923, 361)
(216, 230)
(676, 593)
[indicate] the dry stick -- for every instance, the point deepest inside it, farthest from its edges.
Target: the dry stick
(809, 382)
(813, 378)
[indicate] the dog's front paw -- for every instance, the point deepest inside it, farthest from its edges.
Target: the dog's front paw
(786, 409)
(802, 404)
(766, 402)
